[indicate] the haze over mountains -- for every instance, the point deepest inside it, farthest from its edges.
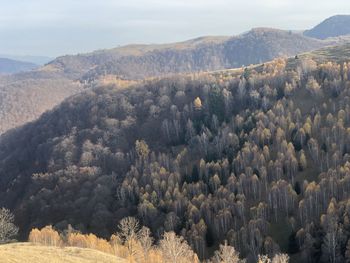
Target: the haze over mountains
(125, 65)
(37, 60)
(9, 66)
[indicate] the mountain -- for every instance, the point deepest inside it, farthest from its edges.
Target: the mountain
(255, 156)
(9, 66)
(37, 60)
(203, 54)
(334, 26)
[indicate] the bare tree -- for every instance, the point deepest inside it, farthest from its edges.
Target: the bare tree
(175, 249)
(7, 227)
(227, 254)
(278, 258)
(146, 242)
(128, 233)
(264, 259)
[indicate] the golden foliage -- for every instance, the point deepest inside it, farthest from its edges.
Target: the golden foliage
(49, 237)
(197, 103)
(46, 236)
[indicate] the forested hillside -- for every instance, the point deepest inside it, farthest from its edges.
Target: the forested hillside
(258, 157)
(25, 96)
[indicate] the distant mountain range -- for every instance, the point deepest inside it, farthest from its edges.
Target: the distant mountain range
(38, 60)
(202, 54)
(331, 27)
(68, 75)
(9, 66)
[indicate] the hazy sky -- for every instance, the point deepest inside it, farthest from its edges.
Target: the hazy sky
(57, 27)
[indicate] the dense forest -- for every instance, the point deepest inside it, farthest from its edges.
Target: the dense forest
(258, 157)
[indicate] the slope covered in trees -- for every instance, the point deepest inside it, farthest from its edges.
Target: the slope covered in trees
(258, 157)
(334, 26)
(24, 97)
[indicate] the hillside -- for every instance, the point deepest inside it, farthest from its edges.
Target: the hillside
(29, 253)
(9, 66)
(49, 85)
(258, 157)
(24, 97)
(334, 26)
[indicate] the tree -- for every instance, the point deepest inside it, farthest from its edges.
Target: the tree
(128, 233)
(49, 237)
(216, 103)
(197, 103)
(347, 252)
(302, 161)
(242, 89)
(279, 258)
(226, 254)
(264, 259)
(142, 149)
(313, 86)
(333, 233)
(8, 230)
(175, 248)
(146, 242)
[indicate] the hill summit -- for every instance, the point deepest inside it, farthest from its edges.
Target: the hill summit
(334, 26)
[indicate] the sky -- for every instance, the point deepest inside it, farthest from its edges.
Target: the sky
(59, 27)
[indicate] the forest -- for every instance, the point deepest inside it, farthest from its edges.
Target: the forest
(255, 158)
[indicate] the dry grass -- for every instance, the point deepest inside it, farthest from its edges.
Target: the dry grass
(29, 253)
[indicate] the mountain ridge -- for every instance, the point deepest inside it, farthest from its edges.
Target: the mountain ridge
(10, 66)
(334, 26)
(229, 52)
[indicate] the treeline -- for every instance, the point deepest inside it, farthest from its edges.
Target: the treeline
(136, 244)
(257, 157)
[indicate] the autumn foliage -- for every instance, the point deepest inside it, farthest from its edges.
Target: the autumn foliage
(140, 252)
(46, 236)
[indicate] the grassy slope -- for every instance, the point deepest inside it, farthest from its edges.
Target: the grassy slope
(26, 252)
(337, 54)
